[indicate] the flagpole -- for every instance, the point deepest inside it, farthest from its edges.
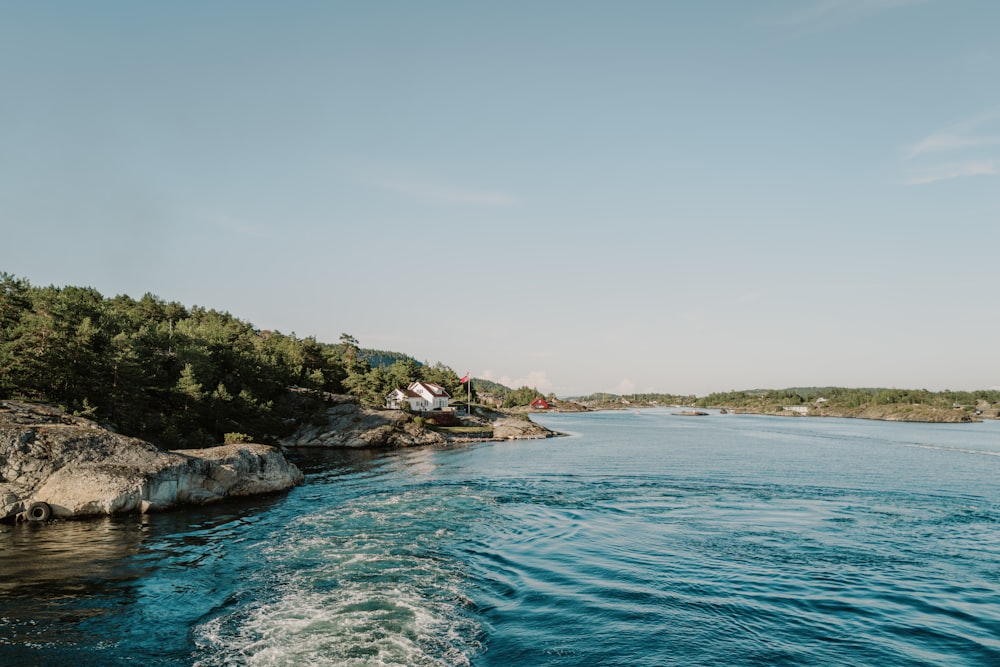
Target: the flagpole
(467, 381)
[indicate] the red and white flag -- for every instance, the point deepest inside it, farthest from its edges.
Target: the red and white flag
(466, 378)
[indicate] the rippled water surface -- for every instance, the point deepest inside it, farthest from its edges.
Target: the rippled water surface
(642, 539)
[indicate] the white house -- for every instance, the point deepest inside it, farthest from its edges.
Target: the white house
(422, 397)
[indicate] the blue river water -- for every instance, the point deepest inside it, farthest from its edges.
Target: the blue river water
(643, 538)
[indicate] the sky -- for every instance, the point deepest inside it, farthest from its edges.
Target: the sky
(669, 196)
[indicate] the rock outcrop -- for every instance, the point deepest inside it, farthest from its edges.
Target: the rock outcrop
(514, 428)
(347, 424)
(82, 469)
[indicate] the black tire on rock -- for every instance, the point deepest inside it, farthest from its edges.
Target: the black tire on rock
(38, 512)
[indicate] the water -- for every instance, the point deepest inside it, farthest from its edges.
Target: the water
(643, 539)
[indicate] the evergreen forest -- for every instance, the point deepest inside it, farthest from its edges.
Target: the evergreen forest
(181, 376)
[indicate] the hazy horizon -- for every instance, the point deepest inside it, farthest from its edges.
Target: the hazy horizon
(582, 197)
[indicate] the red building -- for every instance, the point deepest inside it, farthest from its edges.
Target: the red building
(540, 404)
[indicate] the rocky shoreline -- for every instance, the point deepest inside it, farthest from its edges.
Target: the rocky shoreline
(56, 465)
(53, 464)
(345, 423)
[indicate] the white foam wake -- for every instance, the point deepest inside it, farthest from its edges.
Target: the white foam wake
(328, 595)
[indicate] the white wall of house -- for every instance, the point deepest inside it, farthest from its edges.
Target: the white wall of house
(434, 402)
(397, 398)
(394, 399)
(426, 400)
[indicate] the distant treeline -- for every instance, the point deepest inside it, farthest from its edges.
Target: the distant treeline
(840, 397)
(832, 398)
(180, 376)
(603, 399)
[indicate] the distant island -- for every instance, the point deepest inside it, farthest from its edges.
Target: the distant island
(919, 405)
(910, 405)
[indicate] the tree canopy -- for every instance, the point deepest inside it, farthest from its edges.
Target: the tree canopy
(176, 375)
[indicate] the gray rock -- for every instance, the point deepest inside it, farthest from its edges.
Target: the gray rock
(348, 424)
(515, 428)
(82, 469)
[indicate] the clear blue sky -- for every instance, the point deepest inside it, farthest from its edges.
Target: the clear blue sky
(580, 196)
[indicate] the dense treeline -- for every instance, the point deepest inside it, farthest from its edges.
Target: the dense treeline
(174, 375)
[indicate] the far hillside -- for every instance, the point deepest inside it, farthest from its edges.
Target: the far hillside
(379, 358)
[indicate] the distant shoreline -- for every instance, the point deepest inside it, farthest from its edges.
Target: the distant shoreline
(918, 414)
(910, 413)
(875, 404)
